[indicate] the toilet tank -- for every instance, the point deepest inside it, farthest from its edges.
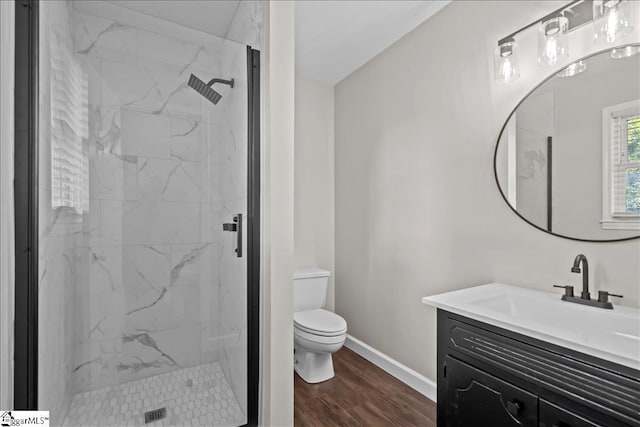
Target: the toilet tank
(310, 288)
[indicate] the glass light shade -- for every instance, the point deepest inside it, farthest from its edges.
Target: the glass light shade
(610, 20)
(553, 44)
(624, 52)
(573, 69)
(505, 61)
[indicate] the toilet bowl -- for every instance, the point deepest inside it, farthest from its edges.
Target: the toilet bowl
(318, 333)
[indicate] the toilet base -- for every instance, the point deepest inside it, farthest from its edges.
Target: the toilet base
(313, 367)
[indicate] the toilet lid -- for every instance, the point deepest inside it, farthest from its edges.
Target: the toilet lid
(319, 322)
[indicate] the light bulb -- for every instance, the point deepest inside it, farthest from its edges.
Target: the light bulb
(505, 61)
(551, 51)
(552, 41)
(610, 20)
(613, 26)
(506, 70)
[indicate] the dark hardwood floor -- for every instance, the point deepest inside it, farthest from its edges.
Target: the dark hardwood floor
(361, 394)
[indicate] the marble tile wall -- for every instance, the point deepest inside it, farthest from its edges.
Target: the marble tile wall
(247, 25)
(58, 226)
(140, 280)
(233, 270)
(166, 168)
(247, 28)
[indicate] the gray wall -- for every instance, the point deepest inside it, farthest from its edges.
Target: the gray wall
(417, 209)
(277, 257)
(314, 195)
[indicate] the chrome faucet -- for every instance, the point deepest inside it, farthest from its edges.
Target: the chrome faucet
(585, 274)
(585, 297)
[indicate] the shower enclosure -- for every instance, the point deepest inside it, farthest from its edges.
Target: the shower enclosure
(143, 210)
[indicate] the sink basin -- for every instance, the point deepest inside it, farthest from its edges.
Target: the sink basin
(612, 335)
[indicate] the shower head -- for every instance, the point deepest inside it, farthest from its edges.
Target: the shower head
(205, 89)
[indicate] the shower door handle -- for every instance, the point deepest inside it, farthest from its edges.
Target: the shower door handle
(236, 226)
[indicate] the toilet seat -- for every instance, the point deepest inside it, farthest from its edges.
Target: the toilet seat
(317, 340)
(320, 323)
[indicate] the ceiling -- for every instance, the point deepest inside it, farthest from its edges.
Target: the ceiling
(333, 37)
(213, 17)
(336, 37)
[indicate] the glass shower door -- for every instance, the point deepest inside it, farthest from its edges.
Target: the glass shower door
(143, 198)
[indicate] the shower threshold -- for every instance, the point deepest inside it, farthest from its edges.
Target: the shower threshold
(196, 396)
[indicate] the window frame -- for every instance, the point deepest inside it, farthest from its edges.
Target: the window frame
(611, 220)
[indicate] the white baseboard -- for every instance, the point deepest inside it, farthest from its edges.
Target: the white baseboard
(413, 379)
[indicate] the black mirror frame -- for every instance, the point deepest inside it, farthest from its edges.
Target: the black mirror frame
(495, 158)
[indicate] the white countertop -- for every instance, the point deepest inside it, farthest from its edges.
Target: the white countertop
(612, 335)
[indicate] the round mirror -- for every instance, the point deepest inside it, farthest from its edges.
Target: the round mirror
(567, 160)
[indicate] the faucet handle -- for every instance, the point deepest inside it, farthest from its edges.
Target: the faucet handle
(603, 296)
(568, 289)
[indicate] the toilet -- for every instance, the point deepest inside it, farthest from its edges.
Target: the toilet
(318, 333)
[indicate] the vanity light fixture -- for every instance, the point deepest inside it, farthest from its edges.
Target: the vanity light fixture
(573, 69)
(625, 52)
(505, 61)
(610, 20)
(553, 44)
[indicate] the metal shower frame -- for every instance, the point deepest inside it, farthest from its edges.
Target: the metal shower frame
(26, 215)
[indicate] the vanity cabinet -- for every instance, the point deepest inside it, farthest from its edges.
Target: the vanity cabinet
(489, 376)
(554, 416)
(474, 395)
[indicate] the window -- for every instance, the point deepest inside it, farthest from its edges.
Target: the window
(68, 101)
(621, 166)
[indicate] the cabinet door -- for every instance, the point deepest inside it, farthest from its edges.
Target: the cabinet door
(475, 398)
(554, 416)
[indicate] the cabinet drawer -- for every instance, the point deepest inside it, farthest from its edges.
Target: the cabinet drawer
(544, 371)
(554, 416)
(475, 398)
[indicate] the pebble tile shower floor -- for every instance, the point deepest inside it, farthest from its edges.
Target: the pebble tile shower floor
(198, 396)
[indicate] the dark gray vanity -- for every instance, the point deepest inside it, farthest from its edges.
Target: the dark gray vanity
(489, 376)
